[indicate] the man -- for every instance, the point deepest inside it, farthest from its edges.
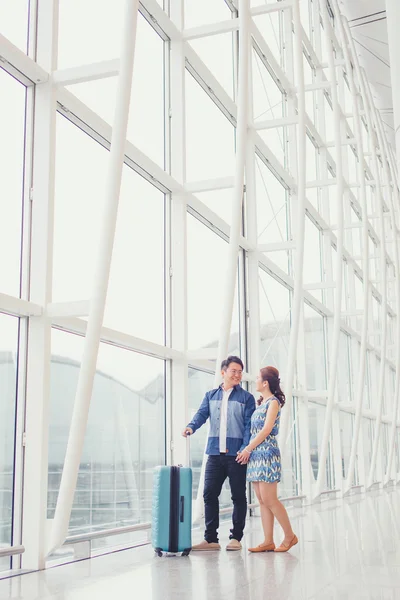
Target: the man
(229, 408)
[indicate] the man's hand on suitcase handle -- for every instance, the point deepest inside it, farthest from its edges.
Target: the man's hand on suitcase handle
(187, 431)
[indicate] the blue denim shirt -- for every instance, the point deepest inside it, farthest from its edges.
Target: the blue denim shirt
(241, 405)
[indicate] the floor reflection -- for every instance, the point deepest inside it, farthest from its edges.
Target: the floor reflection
(348, 549)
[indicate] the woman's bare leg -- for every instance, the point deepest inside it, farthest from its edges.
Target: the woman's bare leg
(267, 517)
(269, 496)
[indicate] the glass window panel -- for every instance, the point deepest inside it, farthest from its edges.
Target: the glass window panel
(146, 124)
(314, 332)
(344, 382)
(269, 26)
(222, 46)
(306, 16)
(274, 322)
(135, 301)
(329, 120)
(367, 444)
(80, 42)
(12, 127)
(220, 202)
(14, 15)
(356, 348)
(275, 140)
(210, 151)
(385, 436)
(204, 12)
(125, 436)
(291, 471)
(267, 97)
(311, 163)
(8, 391)
(272, 206)
(316, 420)
(312, 268)
(199, 383)
(346, 436)
(135, 298)
(206, 278)
(80, 179)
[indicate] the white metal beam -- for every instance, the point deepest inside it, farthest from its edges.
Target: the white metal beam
(15, 61)
(118, 338)
(91, 72)
(223, 183)
(210, 29)
(79, 308)
(273, 247)
(271, 7)
(19, 307)
(274, 123)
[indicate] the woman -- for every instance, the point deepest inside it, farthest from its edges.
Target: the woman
(264, 464)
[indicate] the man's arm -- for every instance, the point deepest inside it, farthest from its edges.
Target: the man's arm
(201, 416)
(248, 411)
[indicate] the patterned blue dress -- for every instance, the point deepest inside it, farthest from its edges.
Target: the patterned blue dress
(265, 460)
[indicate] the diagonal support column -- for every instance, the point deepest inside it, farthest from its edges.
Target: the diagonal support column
(101, 279)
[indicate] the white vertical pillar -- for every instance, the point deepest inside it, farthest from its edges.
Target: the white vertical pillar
(254, 328)
(236, 221)
(392, 21)
(394, 201)
(178, 232)
(298, 200)
(100, 282)
(369, 110)
(334, 343)
(241, 137)
(359, 392)
(39, 347)
(296, 368)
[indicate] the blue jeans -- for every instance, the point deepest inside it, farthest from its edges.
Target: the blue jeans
(218, 468)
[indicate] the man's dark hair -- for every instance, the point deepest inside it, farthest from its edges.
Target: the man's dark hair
(231, 359)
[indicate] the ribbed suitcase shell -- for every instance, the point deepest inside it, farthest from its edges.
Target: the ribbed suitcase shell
(172, 510)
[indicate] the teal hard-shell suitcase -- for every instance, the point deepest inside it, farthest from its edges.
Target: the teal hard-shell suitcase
(172, 510)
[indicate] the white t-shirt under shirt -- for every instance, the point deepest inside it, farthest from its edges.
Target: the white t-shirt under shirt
(223, 419)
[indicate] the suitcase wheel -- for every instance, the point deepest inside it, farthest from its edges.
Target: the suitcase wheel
(186, 552)
(158, 551)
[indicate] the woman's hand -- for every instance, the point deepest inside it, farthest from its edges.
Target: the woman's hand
(243, 457)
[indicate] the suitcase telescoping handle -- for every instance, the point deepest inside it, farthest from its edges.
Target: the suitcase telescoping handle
(182, 509)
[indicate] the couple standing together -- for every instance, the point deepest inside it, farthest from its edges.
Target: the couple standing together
(242, 446)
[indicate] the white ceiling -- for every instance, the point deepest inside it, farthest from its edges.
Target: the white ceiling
(367, 20)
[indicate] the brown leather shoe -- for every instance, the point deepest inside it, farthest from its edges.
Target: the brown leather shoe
(263, 548)
(204, 545)
(284, 548)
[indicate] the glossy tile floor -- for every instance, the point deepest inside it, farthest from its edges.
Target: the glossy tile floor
(348, 550)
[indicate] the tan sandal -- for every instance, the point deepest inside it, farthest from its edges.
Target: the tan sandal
(263, 548)
(284, 548)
